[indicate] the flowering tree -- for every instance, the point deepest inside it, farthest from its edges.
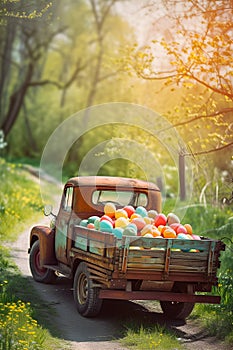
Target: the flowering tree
(199, 54)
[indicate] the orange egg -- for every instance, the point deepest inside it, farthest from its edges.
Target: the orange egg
(155, 232)
(162, 228)
(188, 228)
(169, 233)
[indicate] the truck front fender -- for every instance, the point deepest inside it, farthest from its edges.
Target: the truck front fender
(46, 237)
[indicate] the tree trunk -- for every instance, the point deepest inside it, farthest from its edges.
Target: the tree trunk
(6, 61)
(16, 102)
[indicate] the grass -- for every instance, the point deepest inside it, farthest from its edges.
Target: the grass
(20, 200)
(218, 319)
(151, 338)
(23, 321)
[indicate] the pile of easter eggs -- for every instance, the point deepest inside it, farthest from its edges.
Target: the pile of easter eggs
(130, 221)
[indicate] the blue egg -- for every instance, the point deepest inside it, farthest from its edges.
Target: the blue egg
(133, 226)
(141, 211)
(129, 231)
(106, 226)
(83, 222)
(118, 232)
(92, 219)
(182, 236)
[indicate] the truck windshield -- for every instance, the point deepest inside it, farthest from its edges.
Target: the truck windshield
(120, 198)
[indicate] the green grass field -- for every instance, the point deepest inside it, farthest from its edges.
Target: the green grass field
(22, 318)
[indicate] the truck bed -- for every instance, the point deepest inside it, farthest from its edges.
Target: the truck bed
(143, 258)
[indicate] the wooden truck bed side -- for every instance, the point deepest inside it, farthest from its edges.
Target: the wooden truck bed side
(143, 258)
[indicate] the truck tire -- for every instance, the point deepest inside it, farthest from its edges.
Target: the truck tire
(39, 273)
(177, 310)
(86, 297)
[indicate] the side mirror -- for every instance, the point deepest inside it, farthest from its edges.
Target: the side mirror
(48, 209)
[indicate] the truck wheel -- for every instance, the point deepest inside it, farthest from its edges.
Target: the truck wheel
(39, 273)
(177, 310)
(86, 297)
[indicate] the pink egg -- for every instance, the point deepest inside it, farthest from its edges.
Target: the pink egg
(139, 222)
(181, 229)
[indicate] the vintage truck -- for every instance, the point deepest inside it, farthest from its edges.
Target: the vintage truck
(103, 266)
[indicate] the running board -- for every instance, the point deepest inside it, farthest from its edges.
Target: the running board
(58, 268)
(163, 296)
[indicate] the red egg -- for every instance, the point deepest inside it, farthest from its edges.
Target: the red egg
(106, 217)
(160, 219)
(129, 209)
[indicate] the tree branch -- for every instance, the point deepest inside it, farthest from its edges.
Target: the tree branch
(214, 114)
(209, 151)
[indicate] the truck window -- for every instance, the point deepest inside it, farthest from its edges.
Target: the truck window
(120, 198)
(67, 204)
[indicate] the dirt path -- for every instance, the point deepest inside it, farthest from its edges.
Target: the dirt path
(104, 332)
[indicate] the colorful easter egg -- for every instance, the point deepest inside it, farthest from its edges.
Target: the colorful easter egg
(130, 210)
(141, 211)
(92, 219)
(121, 213)
(83, 223)
(121, 222)
(106, 226)
(129, 231)
(109, 209)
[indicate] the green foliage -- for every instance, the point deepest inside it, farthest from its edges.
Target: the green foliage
(20, 200)
(217, 224)
(20, 324)
(19, 328)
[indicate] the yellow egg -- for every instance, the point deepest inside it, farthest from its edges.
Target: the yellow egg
(121, 222)
(148, 220)
(121, 213)
(110, 209)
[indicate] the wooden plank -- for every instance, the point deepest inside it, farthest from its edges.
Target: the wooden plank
(188, 268)
(97, 247)
(144, 266)
(148, 260)
(153, 295)
(93, 258)
(190, 256)
(184, 263)
(144, 252)
(81, 243)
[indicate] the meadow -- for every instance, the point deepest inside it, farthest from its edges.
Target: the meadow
(22, 320)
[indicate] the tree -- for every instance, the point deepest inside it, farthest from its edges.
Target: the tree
(21, 52)
(198, 52)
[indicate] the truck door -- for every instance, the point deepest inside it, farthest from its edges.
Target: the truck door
(62, 224)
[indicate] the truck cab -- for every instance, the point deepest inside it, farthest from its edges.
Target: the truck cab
(83, 197)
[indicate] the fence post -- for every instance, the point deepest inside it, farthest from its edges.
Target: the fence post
(182, 175)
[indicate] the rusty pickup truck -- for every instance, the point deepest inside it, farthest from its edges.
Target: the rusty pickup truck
(178, 273)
